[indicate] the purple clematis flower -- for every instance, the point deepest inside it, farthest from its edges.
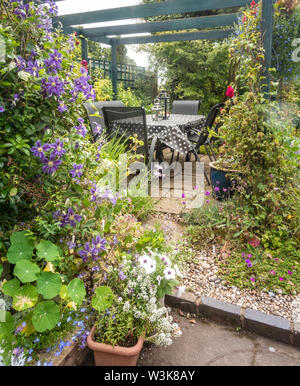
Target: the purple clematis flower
(33, 68)
(62, 107)
(53, 86)
(53, 63)
(58, 149)
(51, 164)
(72, 218)
(94, 194)
(99, 244)
(61, 217)
(87, 252)
(39, 149)
(2, 109)
(76, 171)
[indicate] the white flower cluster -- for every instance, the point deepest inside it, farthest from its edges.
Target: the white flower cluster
(139, 297)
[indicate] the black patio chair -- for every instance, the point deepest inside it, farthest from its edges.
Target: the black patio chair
(202, 138)
(95, 114)
(189, 107)
(186, 107)
(129, 123)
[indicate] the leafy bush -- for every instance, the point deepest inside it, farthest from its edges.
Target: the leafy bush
(42, 91)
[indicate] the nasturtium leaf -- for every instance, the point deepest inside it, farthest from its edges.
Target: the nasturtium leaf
(102, 299)
(48, 284)
(11, 287)
(26, 297)
(63, 292)
(26, 271)
(45, 316)
(76, 290)
(28, 329)
(7, 323)
(47, 250)
(21, 247)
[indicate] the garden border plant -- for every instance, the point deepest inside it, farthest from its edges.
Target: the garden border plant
(259, 225)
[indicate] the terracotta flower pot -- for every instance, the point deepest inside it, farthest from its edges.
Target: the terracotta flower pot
(107, 355)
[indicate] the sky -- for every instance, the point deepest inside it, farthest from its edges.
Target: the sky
(75, 6)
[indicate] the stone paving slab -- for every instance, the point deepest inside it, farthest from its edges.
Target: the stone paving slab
(205, 343)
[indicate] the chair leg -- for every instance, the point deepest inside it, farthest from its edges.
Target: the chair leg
(212, 150)
(205, 175)
(208, 153)
(173, 152)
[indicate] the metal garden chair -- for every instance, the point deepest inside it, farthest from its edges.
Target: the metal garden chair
(130, 123)
(202, 138)
(95, 114)
(188, 107)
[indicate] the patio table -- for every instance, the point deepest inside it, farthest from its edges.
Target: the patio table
(171, 132)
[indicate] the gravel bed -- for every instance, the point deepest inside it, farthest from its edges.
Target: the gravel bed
(201, 279)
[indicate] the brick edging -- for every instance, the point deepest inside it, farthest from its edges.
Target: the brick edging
(270, 326)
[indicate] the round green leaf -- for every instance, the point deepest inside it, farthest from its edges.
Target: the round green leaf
(47, 250)
(48, 284)
(13, 192)
(11, 287)
(21, 247)
(26, 271)
(102, 299)
(76, 291)
(45, 316)
(26, 297)
(63, 292)
(7, 323)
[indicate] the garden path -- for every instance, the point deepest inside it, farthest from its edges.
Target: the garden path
(170, 200)
(205, 343)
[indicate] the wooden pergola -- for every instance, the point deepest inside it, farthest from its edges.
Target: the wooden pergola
(210, 24)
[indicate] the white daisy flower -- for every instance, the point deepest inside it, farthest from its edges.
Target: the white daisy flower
(169, 273)
(147, 263)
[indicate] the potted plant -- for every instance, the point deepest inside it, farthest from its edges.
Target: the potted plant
(128, 313)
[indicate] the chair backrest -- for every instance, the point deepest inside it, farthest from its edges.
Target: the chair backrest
(96, 108)
(185, 107)
(212, 115)
(127, 122)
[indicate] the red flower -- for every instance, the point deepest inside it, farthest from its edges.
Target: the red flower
(244, 19)
(84, 63)
(254, 242)
(253, 4)
(230, 92)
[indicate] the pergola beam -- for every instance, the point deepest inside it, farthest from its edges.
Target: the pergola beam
(170, 7)
(177, 37)
(202, 22)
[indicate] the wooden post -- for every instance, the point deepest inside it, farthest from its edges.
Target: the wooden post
(267, 33)
(114, 71)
